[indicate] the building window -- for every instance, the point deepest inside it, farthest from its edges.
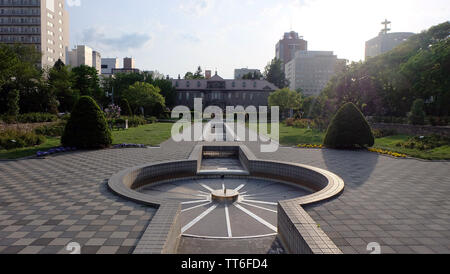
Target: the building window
(233, 84)
(254, 84)
(176, 84)
(188, 84)
(199, 84)
(244, 84)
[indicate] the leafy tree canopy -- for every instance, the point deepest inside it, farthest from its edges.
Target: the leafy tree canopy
(285, 99)
(274, 73)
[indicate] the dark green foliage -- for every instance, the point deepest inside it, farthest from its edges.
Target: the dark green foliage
(87, 83)
(55, 130)
(13, 103)
(274, 73)
(37, 118)
(125, 108)
(29, 118)
(87, 127)
(12, 139)
(252, 76)
(349, 129)
(425, 142)
(152, 120)
(388, 84)
(133, 121)
(381, 133)
(417, 114)
(60, 83)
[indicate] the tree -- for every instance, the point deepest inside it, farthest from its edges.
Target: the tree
(13, 103)
(286, 99)
(252, 76)
(194, 76)
(388, 84)
(122, 81)
(349, 129)
(146, 96)
(87, 83)
(25, 76)
(274, 73)
(189, 76)
(417, 115)
(199, 73)
(168, 91)
(8, 60)
(87, 127)
(125, 108)
(60, 83)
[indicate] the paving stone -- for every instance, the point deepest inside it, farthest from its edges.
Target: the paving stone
(403, 200)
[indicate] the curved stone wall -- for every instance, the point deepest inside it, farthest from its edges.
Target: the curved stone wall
(164, 230)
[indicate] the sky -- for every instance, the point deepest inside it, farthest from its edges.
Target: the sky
(176, 36)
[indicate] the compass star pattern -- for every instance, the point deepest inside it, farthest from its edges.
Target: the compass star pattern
(253, 214)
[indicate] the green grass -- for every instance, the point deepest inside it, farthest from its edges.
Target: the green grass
(152, 134)
(389, 143)
(291, 136)
(29, 151)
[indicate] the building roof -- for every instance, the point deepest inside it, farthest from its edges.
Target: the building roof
(239, 85)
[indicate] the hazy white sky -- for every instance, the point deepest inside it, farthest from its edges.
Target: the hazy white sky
(175, 36)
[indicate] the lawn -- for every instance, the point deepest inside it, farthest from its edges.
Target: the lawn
(290, 136)
(29, 151)
(152, 135)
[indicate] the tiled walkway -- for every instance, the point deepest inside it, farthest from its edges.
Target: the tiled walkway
(44, 204)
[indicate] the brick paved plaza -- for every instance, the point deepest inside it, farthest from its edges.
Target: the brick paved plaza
(47, 203)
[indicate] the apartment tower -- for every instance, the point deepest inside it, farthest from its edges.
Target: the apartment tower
(41, 23)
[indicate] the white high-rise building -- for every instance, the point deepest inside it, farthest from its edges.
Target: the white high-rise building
(41, 23)
(84, 55)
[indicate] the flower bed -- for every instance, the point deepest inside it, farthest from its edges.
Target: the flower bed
(310, 146)
(386, 152)
(130, 146)
(55, 151)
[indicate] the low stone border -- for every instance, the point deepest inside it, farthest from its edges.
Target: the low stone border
(296, 228)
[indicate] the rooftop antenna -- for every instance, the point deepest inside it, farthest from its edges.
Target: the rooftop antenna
(386, 24)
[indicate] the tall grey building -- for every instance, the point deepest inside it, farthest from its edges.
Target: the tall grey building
(385, 41)
(41, 23)
(311, 70)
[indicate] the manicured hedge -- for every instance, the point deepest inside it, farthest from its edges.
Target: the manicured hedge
(29, 118)
(349, 129)
(87, 127)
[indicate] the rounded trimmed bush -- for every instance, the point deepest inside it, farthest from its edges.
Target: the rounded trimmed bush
(349, 129)
(87, 126)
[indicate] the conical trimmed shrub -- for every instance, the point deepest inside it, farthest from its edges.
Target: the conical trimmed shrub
(87, 127)
(349, 129)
